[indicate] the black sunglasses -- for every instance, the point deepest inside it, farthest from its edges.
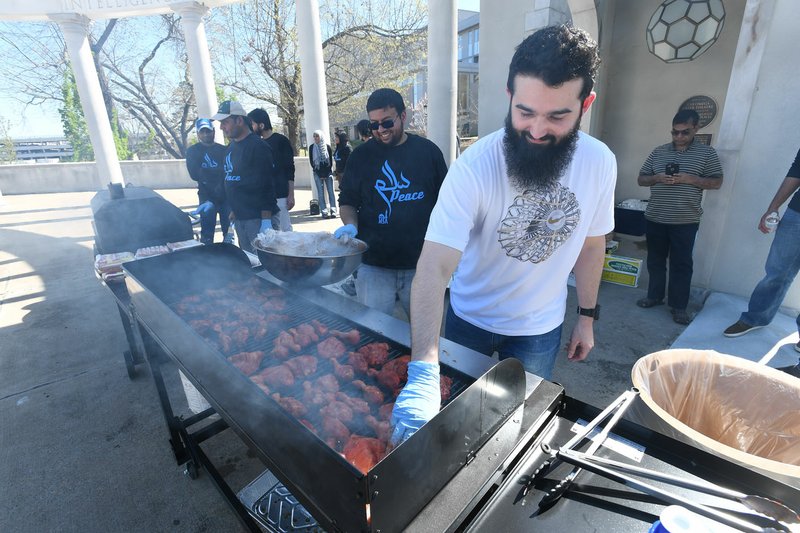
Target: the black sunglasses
(386, 124)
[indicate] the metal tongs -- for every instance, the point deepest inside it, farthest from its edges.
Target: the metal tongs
(617, 407)
(781, 517)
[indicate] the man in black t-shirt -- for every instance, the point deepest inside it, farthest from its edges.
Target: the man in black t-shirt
(249, 175)
(783, 262)
(204, 161)
(390, 186)
(283, 154)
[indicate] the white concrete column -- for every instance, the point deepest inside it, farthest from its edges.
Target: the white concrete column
(75, 29)
(315, 96)
(733, 129)
(194, 32)
(443, 75)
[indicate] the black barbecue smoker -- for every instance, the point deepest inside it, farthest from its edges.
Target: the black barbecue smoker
(128, 218)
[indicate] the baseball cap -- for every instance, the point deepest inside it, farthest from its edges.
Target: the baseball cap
(228, 108)
(203, 123)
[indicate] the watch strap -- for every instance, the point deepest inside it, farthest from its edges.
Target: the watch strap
(593, 312)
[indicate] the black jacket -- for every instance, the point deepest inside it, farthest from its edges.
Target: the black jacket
(205, 166)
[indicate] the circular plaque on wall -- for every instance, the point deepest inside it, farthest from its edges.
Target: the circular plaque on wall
(705, 106)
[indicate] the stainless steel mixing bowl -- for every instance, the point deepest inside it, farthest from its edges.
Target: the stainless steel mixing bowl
(312, 270)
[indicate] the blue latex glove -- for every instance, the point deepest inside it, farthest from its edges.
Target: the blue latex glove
(228, 238)
(203, 208)
(418, 402)
(348, 229)
(266, 224)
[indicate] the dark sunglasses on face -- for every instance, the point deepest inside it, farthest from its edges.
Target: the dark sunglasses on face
(681, 132)
(386, 124)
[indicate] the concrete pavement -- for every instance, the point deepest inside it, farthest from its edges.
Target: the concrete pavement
(84, 448)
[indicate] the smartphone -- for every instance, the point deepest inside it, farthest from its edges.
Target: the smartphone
(672, 169)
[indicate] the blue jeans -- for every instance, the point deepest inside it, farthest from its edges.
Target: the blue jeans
(322, 183)
(675, 241)
(208, 222)
(537, 353)
(379, 288)
(783, 263)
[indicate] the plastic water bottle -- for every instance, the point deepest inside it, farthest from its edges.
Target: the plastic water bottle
(771, 222)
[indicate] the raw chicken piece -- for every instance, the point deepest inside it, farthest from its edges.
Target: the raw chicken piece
(320, 328)
(371, 393)
(445, 384)
(358, 361)
(337, 409)
(351, 337)
(313, 395)
(343, 372)
(336, 431)
(261, 385)
(394, 373)
(364, 452)
(240, 336)
(357, 405)
(276, 376)
(225, 342)
(247, 362)
(331, 348)
(327, 383)
(382, 428)
(375, 352)
(385, 411)
(292, 406)
(302, 366)
(286, 340)
(274, 305)
(304, 335)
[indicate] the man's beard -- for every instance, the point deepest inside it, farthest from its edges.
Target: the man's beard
(533, 166)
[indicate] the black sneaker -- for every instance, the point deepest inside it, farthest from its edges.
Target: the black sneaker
(739, 329)
(793, 370)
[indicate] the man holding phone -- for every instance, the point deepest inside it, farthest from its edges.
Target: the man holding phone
(677, 174)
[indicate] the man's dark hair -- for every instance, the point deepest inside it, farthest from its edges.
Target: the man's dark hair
(556, 54)
(363, 128)
(383, 98)
(686, 115)
(260, 116)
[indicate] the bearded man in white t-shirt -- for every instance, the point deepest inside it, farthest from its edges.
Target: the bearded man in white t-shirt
(518, 211)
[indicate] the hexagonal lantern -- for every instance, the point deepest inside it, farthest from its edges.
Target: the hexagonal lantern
(682, 30)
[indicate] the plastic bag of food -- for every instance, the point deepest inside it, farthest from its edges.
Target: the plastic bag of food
(111, 263)
(150, 251)
(299, 244)
(732, 407)
(180, 245)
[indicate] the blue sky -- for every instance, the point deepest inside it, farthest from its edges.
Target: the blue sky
(43, 120)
